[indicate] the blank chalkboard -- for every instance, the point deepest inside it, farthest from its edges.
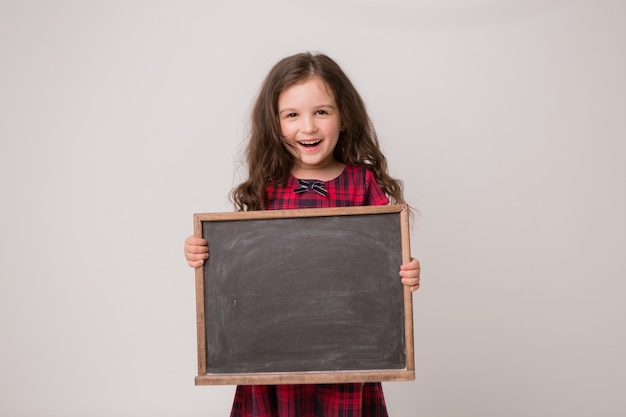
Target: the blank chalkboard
(304, 296)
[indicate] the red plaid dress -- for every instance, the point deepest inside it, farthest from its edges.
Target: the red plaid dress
(355, 186)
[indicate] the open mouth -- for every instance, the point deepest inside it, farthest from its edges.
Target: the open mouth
(309, 143)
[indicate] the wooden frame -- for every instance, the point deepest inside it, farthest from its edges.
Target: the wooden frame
(210, 284)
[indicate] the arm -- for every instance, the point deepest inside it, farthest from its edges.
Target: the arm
(196, 251)
(410, 273)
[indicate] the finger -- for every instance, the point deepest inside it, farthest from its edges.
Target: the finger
(412, 264)
(412, 273)
(411, 281)
(197, 256)
(196, 264)
(196, 249)
(193, 240)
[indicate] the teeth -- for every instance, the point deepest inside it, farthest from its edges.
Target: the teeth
(309, 142)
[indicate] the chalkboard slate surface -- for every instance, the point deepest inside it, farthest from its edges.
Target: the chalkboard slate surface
(303, 296)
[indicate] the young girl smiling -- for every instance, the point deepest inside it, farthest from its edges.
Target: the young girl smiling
(311, 145)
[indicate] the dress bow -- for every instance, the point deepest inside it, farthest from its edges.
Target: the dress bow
(316, 186)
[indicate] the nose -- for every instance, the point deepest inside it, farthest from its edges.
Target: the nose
(308, 124)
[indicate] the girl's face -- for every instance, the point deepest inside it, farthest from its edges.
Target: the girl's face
(310, 122)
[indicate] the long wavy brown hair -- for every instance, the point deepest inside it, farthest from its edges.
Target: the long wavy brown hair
(267, 157)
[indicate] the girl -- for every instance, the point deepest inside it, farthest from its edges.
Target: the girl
(311, 145)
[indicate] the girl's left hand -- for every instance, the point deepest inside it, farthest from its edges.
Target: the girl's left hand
(410, 273)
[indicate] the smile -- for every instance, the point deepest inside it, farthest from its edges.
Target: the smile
(309, 143)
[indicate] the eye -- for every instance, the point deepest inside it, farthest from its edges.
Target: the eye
(321, 112)
(290, 115)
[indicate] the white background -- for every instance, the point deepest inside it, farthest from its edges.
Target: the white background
(505, 119)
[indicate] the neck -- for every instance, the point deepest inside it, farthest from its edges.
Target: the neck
(322, 173)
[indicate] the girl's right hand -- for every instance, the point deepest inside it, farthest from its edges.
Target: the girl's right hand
(196, 251)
